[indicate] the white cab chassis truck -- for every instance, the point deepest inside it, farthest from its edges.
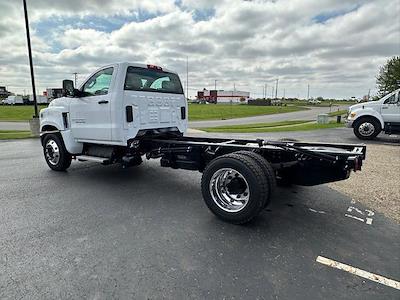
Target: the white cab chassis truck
(371, 118)
(125, 111)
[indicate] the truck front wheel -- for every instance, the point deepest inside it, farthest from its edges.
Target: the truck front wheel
(367, 128)
(55, 154)
(235, 188)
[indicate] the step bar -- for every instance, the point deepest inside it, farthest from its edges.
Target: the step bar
(103, 160)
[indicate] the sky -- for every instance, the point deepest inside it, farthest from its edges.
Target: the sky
(335, 47)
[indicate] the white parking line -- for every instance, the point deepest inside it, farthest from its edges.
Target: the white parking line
(364, 274)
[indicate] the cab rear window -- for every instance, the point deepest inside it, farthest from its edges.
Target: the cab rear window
(152, 80)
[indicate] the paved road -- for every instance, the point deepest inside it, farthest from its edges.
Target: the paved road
(334, 135)
(14, 125)
(310, 114)
(298, 115)
(144, 233)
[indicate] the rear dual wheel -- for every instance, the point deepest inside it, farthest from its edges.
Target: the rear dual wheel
(268, 171)
(235, 187)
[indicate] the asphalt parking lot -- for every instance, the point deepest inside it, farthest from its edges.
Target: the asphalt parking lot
(144, 233)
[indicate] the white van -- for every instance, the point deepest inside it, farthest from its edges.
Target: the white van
(40, 99)
(13, 100)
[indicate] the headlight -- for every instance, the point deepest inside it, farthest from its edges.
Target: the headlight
(352, 115)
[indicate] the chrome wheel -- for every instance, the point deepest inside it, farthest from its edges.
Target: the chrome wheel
(229, 190)
(52, 152)
(366, 129)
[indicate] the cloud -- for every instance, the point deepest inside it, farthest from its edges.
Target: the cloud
(336, 46)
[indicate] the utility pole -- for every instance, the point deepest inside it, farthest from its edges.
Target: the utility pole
(272, 94)
(215, 84)
(75, 77)
(369, 93)
(28, 38)
(284, 93)
(263, 91)
(276, 89)
(187, 77)
(234, 87)
(266, 89)
(308, 91)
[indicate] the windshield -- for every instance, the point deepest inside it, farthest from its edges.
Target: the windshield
(152, 80)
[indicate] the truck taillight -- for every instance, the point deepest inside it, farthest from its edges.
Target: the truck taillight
(154, 67)
(357, 164)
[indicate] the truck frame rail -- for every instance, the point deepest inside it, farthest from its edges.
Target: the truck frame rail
(299, 162)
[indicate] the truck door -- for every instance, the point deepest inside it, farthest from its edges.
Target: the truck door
(91, 113)
(390, 109)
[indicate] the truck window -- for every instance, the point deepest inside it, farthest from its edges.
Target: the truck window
(391, 99)
(152, 80)
(99, 83)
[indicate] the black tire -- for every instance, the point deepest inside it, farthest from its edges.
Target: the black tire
(367, 128)
(250, 175)
(53, 142)
(268, 171)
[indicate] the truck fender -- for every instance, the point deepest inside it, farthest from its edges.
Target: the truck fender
(368, 112)
(71, 145)
(52, 117)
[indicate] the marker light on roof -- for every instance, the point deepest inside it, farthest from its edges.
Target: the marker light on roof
(154, 67)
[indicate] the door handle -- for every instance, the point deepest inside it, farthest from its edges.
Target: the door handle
(102, 102)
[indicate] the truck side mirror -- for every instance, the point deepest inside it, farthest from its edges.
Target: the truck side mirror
(68, 88)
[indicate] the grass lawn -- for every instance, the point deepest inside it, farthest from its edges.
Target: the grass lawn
(274, 127)
(14, 134)
(17, 112)
(337, 113)
(199, 112)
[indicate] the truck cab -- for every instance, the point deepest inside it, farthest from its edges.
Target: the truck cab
(370, 118)
(115, 104)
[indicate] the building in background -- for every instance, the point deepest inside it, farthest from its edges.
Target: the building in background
(221, 96)
(4, 93)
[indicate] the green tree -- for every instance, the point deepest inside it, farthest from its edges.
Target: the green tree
(388, 78)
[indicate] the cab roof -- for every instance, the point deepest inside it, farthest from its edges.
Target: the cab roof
(145, 66)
